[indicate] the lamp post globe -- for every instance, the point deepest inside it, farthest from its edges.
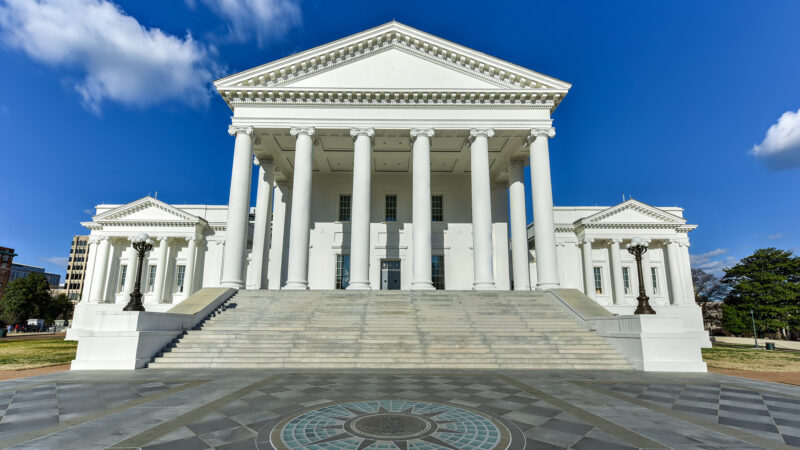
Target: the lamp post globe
(142, 244)
(638, 247)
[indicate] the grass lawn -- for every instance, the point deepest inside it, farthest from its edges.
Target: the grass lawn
(744, 357)
(16, 354)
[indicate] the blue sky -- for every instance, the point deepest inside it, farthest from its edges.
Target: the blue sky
(685, 103)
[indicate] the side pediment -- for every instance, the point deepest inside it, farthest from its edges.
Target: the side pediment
(631, 212)
(393, 68)
(147, 209)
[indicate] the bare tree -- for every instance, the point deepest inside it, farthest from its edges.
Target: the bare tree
(707, 288)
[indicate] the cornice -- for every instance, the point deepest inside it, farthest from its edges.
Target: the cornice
(441, 98)
(144, 222)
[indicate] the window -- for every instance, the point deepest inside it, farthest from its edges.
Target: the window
(598, 281)
(626, 280)
(437, 271)
(437, 208)
(344, 207)
(123, 272)
(654, 275)
(342, 271)
(151, 278)
(391, 208)
(180, 274)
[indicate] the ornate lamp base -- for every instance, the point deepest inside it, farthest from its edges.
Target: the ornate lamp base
(644, 305)
(135, 304)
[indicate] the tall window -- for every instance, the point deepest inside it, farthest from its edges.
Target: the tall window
(344, 207)
(437, 208)
(598, 281)
(123, 272)
(391, 208)
(342, 271)
(180, 275)
(654, 275)
(437, 271)
(626, 280)
(151, 278)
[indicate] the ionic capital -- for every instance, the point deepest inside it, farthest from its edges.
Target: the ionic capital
(516, 163)
(265, 162)
(548, 132)
(415, 132)
(356, 132)
(233, 130)
(616, 240)
(587, 241)
(297, 131)
(484, 132)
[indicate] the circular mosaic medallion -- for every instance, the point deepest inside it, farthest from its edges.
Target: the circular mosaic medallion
(390, 424)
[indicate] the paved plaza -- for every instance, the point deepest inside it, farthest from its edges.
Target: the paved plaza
(241, 409)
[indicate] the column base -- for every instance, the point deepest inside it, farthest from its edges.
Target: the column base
(546, 286)
(422, 286)
(359, 286)
(484, 286)
(296, 286)
(232, 284)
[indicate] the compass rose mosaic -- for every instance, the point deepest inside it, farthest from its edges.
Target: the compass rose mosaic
(390, 425)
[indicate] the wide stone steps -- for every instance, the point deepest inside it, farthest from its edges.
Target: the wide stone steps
(441, 330)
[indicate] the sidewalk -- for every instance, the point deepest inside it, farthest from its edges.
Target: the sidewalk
(787, 345)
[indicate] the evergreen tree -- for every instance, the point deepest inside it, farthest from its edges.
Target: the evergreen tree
(767, 282)
(25, 298)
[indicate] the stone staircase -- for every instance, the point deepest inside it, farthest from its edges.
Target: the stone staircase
(388, 330)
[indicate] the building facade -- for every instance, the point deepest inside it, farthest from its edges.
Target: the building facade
(76, 267)
(390, 159)
(22, 271)
(6, 259)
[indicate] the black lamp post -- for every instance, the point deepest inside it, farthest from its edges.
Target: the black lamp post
(637, 248)
(143, 244)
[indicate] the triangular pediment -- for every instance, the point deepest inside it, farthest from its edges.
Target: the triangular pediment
(392, 56)
(632, 212)
(147, 209)
(394, 68)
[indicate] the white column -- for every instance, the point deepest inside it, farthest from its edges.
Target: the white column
(188, 276)
(238, 208)
(481, 210)
(161, 269)
(686, 270)
(421, 266)
(519, 229)
(360, 214)
(543, 221)
(280, 229)
(588, 268)
(675, 282)
(100, 271)
(297, 276)
(616, 272)
(261, 228)
(130, 276)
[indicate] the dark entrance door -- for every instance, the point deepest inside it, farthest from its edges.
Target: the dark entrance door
(390, 274)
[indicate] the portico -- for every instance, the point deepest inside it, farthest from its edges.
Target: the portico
(394, 103)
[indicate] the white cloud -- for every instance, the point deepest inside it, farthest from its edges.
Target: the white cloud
(711, 263)
(775, 237)
(780, 148)
(116, 58)
(263, 19)
(60, 261)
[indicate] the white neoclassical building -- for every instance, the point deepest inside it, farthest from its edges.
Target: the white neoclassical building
(390, 159)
